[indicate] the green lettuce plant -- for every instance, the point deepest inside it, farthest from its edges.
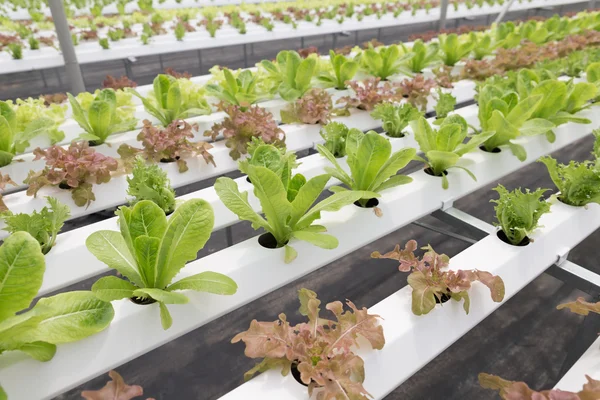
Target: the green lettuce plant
(335, 135)
(373, 167)
(102, 116)
(442, 148)
(240, 90)
(444, 104)
(518, 212)
(424, 55)
(43, 226)
(276, 159)
(149, 252)
(174, 99)
(384, 62)
(150, 182)
(64, 318)
(287, 205)
(395, 117)
(22, 121)
(292, 73)
(454, 48)
(342, 70)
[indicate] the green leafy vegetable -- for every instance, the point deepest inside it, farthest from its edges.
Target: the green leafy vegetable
(384, 62)
(335, 135)
(518, 212)
(150, 182)
(373, 167)
(443, 148)
(286, 203)
(395, 117)
(454, 48)
(174, 99)
(578, 183)
(102, 117)
(149, 252)
(445, 104)
(293, 73)
(64, 318)
(240, 90)
(343, 70)
(43, 226)
(425, 55)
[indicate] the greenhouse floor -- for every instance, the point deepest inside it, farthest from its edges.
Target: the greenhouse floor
(525, 339)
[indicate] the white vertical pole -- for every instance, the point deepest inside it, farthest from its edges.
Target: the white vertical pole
(443, 13)
(504, 11)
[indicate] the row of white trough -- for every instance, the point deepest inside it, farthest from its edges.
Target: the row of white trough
(163, 44)
(259, 271)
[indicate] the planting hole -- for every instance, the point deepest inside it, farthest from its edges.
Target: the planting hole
(429, 171)
(169, 160)
(296, 373)
(268, 241)
(65, 186)
(94, 143)
(443, 298)
(502, 236)
(494, 150)
(141, 301)
(248, 180)
(371, 203)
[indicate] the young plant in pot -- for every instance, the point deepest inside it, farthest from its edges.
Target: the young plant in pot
(150, 251)
(287, 205)
(368, 93)
(239, 127)
(43, 226)
(454, 48)
(431, 284)
(150, 182)
(442, 148)
(512, 390)
(170, 144)
(173, 99)
(292, 73)
(335, 135)
(76, 168)
(319, 353)
(342, 70)
(102, 114)
(518, 213)
(417, 90)
(63, 318)
(395, 117)
(444, 105)
(314, 107)
(383, 62)
(239, 90)
(373, 167)
(21, 122)
(424, 55)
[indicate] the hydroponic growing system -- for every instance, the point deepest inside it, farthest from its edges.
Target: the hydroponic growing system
(472, 108)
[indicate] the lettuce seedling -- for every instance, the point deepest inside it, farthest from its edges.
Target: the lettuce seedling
(43, 226)
(395, 118)
(170, 144)
(286, 203)
(509, 117)
(484, 45)
(384, 62)
(443, 147)
(444, 105)
(342, 71)
(417, 90)
(509, 390)
(454, 48)
(276, 159)
(373, 167)
(293, 73)
(320, 350)
(425, 55)
(101, 118)
(314, 107)
(335, 135)
(174, 99)
(149, 252)
(239, 127)
(368, 93)
(150, 182)
(578, 183)
(240, 90)
(518, 212)
(75, 168)
(22, 122)
(431, 285)
(64, 318)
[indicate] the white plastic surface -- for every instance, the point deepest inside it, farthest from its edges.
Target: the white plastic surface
(588, 364)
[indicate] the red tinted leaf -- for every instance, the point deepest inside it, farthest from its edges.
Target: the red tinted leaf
(116, 389)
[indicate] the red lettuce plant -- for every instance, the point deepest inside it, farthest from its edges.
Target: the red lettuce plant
(239, 127)
(320, 350)
(118, 83)
(369, 93)
(308, 51)
(510, 390)
(75, 168)
(116, 389)
(170, 144)
(54, 98)
(314, 107)
(416, 90)
(431, 285)
(177, 75)
(4, 181)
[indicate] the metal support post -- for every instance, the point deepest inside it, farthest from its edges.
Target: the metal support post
(160, 60)
(443, 14)
(356, 38)
(334, 41)
(302, 42)
(57, 73)
(74, 75)
(43, 78)
(445, 232)
(505, 9)
(200, 61)
(229, 236)
(379, 34)
(245, 56)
